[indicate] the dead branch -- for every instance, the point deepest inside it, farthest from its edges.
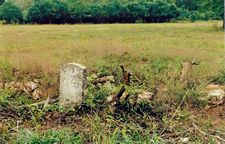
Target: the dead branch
(126, 75)
(174, 114)
(206, 134)
(118, 96)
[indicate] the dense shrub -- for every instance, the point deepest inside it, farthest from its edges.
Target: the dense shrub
(121, 11)
(44, 11)
(125, 12)
(10, 13)
(160, 11)
(78, 12)
(2, 1)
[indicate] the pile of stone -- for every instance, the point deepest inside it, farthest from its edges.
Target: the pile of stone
(31, 88)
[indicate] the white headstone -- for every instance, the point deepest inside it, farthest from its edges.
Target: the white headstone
(73, 80)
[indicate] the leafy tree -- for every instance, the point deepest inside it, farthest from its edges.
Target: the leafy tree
(137, 11)
(10, 13)
(44, 12)
(60, 12)
(78, 12)
(189, 4)
(2, 1)
(40, 12)
(161, 11)
(216, 7)
(96, 13)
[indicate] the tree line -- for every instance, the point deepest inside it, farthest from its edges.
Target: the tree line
(110, 11)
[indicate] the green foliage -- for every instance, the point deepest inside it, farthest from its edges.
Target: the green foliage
(119, 11)
(200, 9)
(189, 4)
(161, 11)
(10, 13)
(2, 1)
(220, 79)
(48, 137)
(44, 11)
(123, 134)
(101, 12)
(216, 6)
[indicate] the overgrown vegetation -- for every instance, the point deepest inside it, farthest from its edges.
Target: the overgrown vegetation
(112, 11)
(129, 120)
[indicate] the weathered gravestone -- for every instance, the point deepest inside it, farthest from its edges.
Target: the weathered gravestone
(73, 80)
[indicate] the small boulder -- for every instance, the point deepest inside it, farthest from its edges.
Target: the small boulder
(145, 96)
(37, 94)
(18, 86)
(216, 97)
(110, 98)
(30, 86)
(106, 79)
(184, 140)
(9, 85)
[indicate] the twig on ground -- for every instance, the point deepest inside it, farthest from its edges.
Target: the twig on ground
(8, 114)
(34, 104)
(118, 96)
(204, 133)
(217, 131)
(174, 114)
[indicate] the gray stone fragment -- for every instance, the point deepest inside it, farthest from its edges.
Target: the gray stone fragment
(216, 97)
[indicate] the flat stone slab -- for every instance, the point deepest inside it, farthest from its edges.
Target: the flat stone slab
(73, 81)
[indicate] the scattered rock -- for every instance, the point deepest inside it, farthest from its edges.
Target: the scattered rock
(30, 86)
(124, 97)
(110, 98)
(216, 94)
(37, 94)
(216, 97)
(18, 86)
(37, 81)
(184, 140)
(145, 96)
(106, 79)
(9, 85)
(15, 86)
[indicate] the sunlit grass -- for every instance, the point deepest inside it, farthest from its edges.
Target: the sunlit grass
(51, 45)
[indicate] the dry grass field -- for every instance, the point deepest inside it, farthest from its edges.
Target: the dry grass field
(151, 53)
(51, 45)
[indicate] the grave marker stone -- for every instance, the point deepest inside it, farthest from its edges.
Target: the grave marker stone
(73, 80)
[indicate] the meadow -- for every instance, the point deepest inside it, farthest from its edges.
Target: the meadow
(51, 45)
(152, 53)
